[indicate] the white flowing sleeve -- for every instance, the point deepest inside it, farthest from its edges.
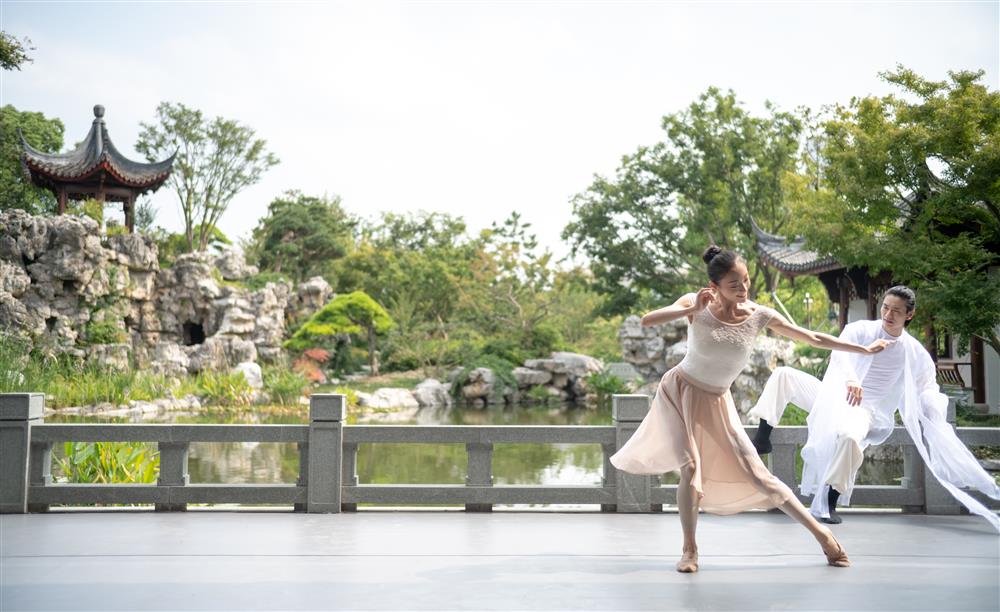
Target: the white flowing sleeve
(946, 456)
(950, 458)
(844, 364)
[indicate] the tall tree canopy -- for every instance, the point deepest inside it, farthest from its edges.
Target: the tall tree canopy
(301, 235)
(13, 52)
(44, 134)
(911, 184)
(216, 159)
(412, 263)
(717, 168)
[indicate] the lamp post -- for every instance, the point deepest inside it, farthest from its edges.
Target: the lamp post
(808, 301)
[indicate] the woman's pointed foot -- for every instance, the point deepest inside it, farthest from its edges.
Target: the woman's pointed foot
(835, 554)
(689, 561)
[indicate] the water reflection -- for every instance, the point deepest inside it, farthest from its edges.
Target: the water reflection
(513, 464)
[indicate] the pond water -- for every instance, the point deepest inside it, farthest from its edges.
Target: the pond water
(549, 464)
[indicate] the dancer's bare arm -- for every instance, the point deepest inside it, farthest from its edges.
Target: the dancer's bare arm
(685, 306)
(780, 325)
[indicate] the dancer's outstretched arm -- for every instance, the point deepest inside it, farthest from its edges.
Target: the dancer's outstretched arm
(685, 306)
(781, 326)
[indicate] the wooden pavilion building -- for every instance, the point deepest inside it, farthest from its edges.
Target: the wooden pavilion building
(95, 169)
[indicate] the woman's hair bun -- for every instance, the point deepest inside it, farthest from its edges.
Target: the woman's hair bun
(710, 253)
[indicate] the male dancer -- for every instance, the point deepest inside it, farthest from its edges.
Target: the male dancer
(902, 377)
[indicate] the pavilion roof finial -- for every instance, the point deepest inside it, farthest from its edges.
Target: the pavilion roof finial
(99, 111)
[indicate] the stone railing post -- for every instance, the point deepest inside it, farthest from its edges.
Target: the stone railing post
(479, 471)
(303, 480)
(913, 478)
(326, 448)
(782, 457)
(18, 412)
(633, 493)
(349, 475)
(173, 471)
(40, 471)
(609, 474)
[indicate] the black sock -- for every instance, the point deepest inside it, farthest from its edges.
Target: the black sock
(762, 441)
(831, 499)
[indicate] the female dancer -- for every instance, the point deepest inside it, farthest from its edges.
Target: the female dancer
(693, 426)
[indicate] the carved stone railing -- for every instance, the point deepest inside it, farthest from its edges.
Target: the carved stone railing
(328, 482)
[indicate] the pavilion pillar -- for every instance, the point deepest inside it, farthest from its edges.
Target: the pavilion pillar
(845, 300)
(871, 301)
(129, 205)
(976, 356)
(61, 198)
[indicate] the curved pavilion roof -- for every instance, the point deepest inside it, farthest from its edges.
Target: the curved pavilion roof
(95, 163)
(791, 257)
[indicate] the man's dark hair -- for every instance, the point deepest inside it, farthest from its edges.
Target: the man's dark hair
(907, 295)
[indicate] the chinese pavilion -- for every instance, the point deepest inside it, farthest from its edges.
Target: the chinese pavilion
(95, 169)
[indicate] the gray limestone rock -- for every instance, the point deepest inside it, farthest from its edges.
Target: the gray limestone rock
(251, 373)
(480, 385)
(527, 377)
(309, 297)
(232, 265)
(431, 392)
(115, 356)
(389, 397)
(169, 359)
(577, 365)
(549, 365)
(13, 279)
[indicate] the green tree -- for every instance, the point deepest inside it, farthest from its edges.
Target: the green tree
(354, 313)
(511, 279)
(301, 235)
(414, 264)
(910, 185)
(215, 160)
(170, 244)
(43, 134)
(718, 168)
(145, 215)
(14, 52)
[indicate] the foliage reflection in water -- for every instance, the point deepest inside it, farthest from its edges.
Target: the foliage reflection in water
(547, 464)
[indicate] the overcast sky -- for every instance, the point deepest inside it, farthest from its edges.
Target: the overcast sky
(471, 108)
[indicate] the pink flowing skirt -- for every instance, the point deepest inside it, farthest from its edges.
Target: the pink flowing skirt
(689, 423)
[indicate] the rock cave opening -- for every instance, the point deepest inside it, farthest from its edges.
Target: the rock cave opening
(194, 333)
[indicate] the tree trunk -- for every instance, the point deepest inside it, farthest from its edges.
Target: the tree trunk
(372, 354)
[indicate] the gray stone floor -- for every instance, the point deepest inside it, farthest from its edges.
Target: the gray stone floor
(413, 560)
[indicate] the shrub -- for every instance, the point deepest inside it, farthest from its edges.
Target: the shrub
(110, 462)
(308, 370)
(540, 394)
(318, 355)
(604, 385)
(260, 280)
(225, 388)
(105, 331)
(283, 384)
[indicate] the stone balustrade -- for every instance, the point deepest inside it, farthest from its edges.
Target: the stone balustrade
(328, 481)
